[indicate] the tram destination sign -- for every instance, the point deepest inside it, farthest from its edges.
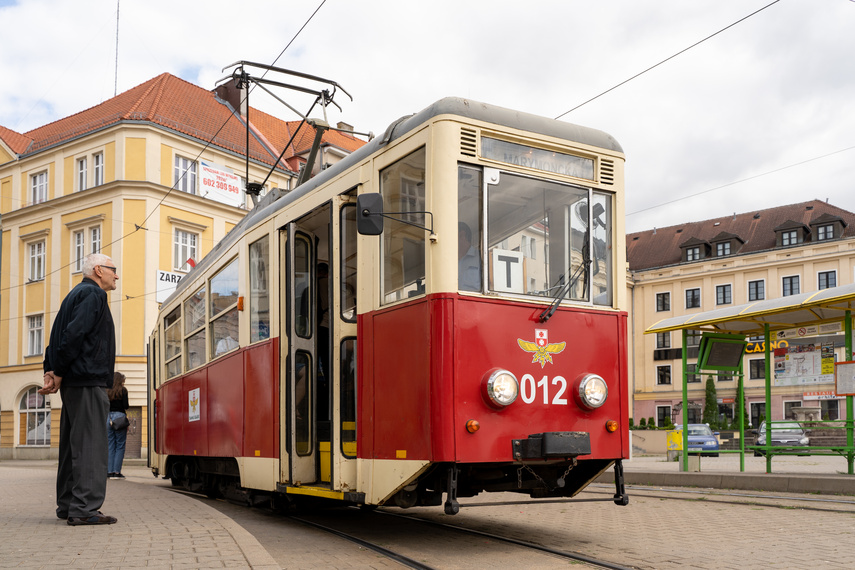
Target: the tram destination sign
(537, 158)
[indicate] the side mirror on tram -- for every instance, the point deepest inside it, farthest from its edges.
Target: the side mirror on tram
(369, 214)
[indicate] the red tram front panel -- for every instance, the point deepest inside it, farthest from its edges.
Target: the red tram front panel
(422, 365)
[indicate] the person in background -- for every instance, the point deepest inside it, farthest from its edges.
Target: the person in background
(79, 364)
(116, 437)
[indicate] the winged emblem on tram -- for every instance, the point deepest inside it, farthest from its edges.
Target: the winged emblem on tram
(541, 348)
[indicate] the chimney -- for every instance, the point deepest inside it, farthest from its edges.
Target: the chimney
(342, 126)
(233, 95)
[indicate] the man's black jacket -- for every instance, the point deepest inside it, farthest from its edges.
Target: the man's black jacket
(82, 347)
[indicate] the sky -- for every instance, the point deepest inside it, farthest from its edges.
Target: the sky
(760, 115)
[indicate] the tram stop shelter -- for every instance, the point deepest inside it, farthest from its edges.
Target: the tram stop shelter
(828, 311)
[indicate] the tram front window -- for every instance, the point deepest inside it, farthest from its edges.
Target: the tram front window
(543, 238)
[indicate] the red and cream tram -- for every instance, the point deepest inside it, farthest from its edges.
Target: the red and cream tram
(441, 313)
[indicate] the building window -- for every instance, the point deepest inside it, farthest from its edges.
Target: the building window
(825, 232)
(723, 295)
(693, 253)
(756, 290)
(37, 260)
(38, 193)
(693, 338)
(757, 369)
(724, 377)
(35, 418)
(791, 285)
(692, 373)
(663, 375)
(830, 409)
(827, 279)
(35, 335)
(185, 248)
(663, 340)
(722, 248)
(663, 301)
(185, 175)
(98, 163)
(693, 298)
(790, 237)
(95, 239)
(78, 242)
(788, 409)
(663, 415)
(81, 174)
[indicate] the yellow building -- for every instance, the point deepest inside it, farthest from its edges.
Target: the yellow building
(701, 266)
(153, 178)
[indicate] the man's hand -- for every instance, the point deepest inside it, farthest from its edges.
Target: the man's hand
(51, 383)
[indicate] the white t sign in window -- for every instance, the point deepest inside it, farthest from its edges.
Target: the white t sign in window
(508, 271)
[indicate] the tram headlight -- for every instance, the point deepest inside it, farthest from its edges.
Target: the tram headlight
(499, 388)
(591, 391)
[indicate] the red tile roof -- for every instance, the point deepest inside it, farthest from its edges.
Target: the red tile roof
(15, 141)
(175, 104)
(661, 247)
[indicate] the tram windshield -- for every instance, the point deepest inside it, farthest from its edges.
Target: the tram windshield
(541, 238)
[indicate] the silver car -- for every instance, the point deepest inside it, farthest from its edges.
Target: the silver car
(784, 434)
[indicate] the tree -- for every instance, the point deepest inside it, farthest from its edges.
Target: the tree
(711, 405)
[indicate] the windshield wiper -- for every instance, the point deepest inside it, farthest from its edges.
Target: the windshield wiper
(583, 269)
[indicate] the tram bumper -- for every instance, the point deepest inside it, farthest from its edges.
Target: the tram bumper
(552, 445)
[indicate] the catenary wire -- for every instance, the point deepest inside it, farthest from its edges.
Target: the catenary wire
(639, 74)
(141, 225)
(740, 181)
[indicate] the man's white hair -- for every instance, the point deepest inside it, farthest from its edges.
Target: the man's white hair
(91, 261)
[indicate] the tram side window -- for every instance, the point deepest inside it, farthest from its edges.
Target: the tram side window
(194, 330)
(348, 263)
(468, 228)
(601, 240)
(348, 397)
(172, 354)
(224, 313)
(259, 298)
(403, 188)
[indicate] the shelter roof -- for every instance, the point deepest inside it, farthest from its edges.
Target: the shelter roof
(781, 313)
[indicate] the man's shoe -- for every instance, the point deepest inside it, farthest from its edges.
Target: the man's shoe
(94, 519)
(117, 476)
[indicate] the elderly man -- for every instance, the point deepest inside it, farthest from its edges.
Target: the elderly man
(79, 363)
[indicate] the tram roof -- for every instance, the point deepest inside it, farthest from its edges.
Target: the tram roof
(782, 313)
(446, 106)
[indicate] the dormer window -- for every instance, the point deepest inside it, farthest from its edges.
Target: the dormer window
(791, 233)
(695, 249)
(722, 248)
(827, 227)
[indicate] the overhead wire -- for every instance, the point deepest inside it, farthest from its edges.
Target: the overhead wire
(740, 181)
(180, 179)
(639, 74)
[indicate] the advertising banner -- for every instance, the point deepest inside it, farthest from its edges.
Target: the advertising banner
(221, 184)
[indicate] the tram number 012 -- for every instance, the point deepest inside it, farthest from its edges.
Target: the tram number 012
(529, 389)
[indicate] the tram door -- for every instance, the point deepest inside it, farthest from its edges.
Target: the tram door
(300, 302)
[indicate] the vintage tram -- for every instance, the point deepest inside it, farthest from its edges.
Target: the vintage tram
(443, 312)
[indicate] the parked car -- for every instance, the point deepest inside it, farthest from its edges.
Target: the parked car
(784, 434)
(702, 438)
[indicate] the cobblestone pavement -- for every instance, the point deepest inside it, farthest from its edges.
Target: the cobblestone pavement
(160, 528)
(156, 528)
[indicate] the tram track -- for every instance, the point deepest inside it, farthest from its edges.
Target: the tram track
(725, 497)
